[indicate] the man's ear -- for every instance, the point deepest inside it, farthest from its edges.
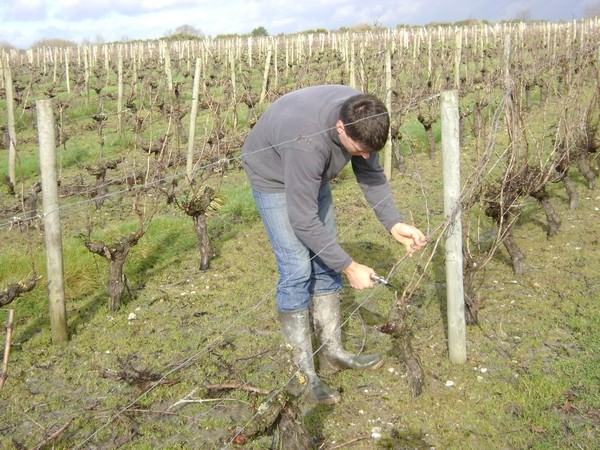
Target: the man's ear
(339, 126)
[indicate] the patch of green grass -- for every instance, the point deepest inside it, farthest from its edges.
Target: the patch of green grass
(16, 260)
(75, 156)
(167, 239)
(415, 137)
(27, 164)
(238, 206)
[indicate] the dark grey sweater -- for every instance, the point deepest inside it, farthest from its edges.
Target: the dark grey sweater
(294, 148)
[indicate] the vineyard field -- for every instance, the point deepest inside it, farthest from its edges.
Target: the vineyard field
(173, 339)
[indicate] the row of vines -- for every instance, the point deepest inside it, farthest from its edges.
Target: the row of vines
(144, 89)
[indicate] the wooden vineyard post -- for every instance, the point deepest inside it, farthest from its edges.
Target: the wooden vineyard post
(457, 58)
(286, 72)
(352, 81)
(52, 230)
(189, 168)
(10, 115)
(429, 50)
(454, 259)
(168, 72)
(66, 53)
(265, 83)
(86, 69)
(387, 152)
(363, 75)
(250, 53)
(106, 64)
(120, 91)
(134, 75)
(55, 68)
(234, 90)
(3, 57)
(275, 66)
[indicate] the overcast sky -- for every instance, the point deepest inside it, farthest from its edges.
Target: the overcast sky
(23, 22)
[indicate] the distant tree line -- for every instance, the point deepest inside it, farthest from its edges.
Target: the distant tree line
(184, 33)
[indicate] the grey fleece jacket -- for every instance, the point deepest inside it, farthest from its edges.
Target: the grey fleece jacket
(294, 148)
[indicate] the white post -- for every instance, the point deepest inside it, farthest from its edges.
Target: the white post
(66, 50)
(387, 152)
(454, 257)
(52, 231)
(457, 58)
(352, 67)
(10, 115)
(263, 92)
(120, 91)
(168, 71)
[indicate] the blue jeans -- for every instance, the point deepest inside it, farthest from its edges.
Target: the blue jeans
(301, 273)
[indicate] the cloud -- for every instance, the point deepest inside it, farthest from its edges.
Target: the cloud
(74, 10)
(31, 10)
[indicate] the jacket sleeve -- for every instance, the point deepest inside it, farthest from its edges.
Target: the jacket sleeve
(303, 177)
(376, 189)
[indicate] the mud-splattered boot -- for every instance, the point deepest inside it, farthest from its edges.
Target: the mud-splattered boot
(327, 323)
(296, 329)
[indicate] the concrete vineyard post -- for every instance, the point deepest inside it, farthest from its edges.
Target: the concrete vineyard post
(52, 228)
(453, 244)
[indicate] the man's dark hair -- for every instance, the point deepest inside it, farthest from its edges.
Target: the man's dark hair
(366, 121)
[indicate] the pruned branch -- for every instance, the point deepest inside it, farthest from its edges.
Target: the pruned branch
(13, 291)
(142, 378)
(54, 435)
(240, 387)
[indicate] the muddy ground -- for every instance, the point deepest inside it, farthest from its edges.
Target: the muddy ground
(188, 362)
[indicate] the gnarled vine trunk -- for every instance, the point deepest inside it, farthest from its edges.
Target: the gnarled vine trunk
(400, 331)
(116, 254)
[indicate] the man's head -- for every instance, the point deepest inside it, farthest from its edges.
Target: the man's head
(365, 120)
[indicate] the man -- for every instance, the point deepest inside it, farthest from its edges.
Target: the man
(301, 142)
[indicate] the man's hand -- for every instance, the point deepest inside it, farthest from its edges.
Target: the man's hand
(409, 236)
(359, 276)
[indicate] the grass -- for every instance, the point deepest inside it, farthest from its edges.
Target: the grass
(238, 205)
(531, 379)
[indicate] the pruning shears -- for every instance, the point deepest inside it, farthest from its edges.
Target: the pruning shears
(382, 280)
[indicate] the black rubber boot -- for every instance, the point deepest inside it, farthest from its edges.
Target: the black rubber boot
(327, 323)
(296, 330)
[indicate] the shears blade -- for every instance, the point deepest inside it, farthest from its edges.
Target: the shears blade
(382, 280)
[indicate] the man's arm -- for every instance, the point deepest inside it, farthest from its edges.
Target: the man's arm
(376, 189)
